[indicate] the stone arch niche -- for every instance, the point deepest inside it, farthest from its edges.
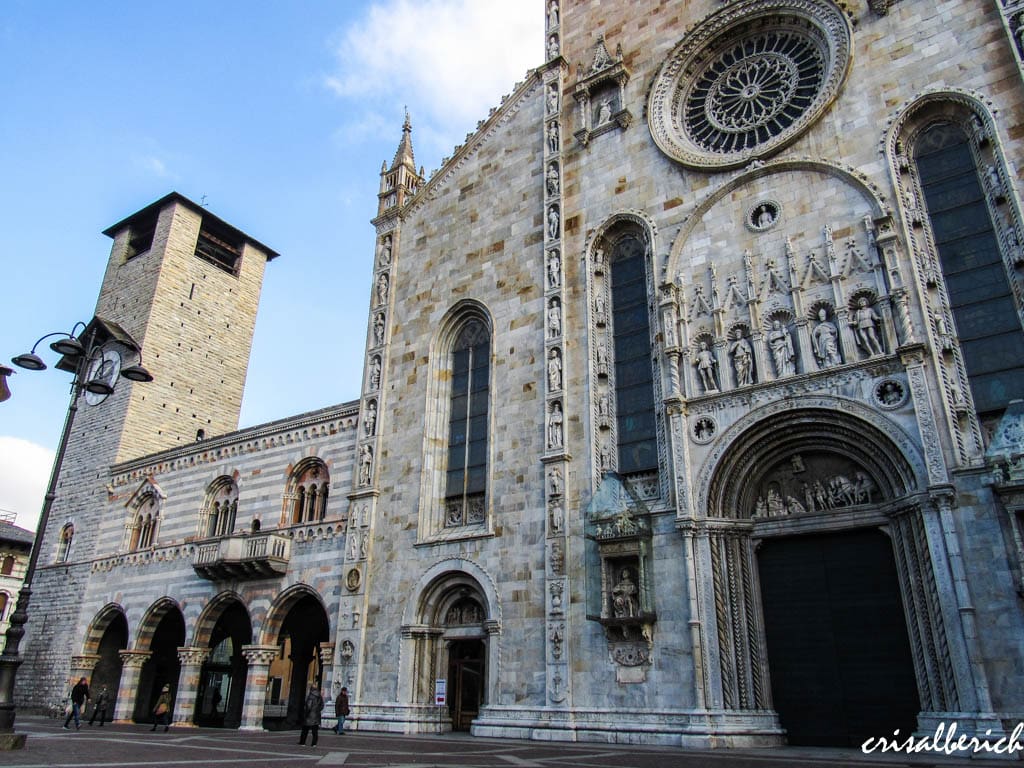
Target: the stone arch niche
(161, 632)
(450, 633)
(298, 625)
(106, 638)
(222, 632)
(828, 469)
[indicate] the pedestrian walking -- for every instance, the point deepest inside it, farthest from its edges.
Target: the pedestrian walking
(341, 710)
(311, 717)
(79, 695)
(100, 707)
(162, 710)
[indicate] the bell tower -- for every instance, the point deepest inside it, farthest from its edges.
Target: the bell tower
(185, 284)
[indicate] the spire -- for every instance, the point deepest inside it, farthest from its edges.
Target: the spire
(404, 155)
(399, 182)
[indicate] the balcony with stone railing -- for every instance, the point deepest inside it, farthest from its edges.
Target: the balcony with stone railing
(244, 556)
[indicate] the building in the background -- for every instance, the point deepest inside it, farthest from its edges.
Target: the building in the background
(15, 547)
(687, 416)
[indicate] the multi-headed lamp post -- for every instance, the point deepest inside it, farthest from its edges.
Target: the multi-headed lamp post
(95, 373)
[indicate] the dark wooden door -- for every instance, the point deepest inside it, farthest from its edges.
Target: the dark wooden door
(837, 639)
(465, 682)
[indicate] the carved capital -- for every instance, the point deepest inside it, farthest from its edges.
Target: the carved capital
(192, 656)
(85, 663)
(260, 654)
(134, 658)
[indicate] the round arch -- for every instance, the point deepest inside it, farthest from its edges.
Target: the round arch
(212, 613)
(103, 619)
(282, 605)
(152, 618)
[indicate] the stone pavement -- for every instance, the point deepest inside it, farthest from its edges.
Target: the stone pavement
(135, 746)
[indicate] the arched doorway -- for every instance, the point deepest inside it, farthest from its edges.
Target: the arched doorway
(808, 589)
(453, 639)
(107, 638)
(221, 692)
(163, 666)
(303, 630)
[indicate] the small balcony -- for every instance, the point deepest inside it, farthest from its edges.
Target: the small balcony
(246, 557)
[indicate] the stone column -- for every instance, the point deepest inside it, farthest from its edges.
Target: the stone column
(259, 658)
(192, 660)
(131, 671)
(327, 679)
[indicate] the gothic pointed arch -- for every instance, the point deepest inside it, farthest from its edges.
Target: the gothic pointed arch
(306, 492)
(457, 459)
(629, 436)
(962, 216)
(143, 516)
(220, 508)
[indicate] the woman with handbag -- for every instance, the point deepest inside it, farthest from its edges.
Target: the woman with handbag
(162, 710)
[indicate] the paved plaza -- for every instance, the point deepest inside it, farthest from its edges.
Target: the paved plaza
(135, 746)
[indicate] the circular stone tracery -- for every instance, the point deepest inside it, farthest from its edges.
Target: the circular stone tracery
(748, 80)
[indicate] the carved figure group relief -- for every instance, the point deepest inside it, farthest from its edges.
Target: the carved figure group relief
(808, 484)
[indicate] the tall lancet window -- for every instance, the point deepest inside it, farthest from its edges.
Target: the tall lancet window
(987, 321)
(466, 476)
(634, 377)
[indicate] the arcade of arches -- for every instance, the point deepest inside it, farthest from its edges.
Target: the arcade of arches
(224, 679)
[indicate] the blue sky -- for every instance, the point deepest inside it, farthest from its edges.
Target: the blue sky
(277, 115)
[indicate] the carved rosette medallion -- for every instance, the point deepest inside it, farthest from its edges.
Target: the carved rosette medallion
(749, 80)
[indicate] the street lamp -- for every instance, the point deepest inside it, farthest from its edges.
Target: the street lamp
(85, 361)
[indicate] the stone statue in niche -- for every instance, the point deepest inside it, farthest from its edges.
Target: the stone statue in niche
(554, 270)
(553, 14)
(365, 464)
(554, 319)
(378, 329)
(705, 363)
(624, 597)
(552, 99)
(553, 136)
(557, 516)
(553, 222)
(374, 378)
(742, 360)
(865, 326)
(781, 345)
(552, 179)
(555, 419)
(385, 251)
(555, 481)
(826, 341)
(382, 288)
(599, 305)
(604, 111)
(370, 418)
(553, 47)
(554, 371)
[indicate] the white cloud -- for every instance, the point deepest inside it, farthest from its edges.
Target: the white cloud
(24, 473)
(450, 61)
(154, 165)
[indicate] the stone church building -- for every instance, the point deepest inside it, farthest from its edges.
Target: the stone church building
(689, 413)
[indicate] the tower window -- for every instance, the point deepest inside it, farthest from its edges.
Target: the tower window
(140, 236)
(218, 248)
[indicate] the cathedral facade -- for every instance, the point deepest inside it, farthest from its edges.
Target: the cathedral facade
(689, 412)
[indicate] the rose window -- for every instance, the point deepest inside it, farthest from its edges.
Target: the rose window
(748, 80)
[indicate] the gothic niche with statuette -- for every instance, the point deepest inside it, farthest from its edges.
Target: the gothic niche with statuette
(620, 587)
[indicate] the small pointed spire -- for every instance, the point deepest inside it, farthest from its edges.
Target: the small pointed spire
(404, 155)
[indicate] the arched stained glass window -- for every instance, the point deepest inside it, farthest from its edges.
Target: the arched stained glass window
(466, 476)
(634, 376)
(987, 322)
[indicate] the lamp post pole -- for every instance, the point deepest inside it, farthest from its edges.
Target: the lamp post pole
(10, 659)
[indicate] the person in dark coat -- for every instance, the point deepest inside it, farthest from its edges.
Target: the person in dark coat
(79, 695)
(341, 710)
(100, 707)
(162, 710)
(311, 718)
